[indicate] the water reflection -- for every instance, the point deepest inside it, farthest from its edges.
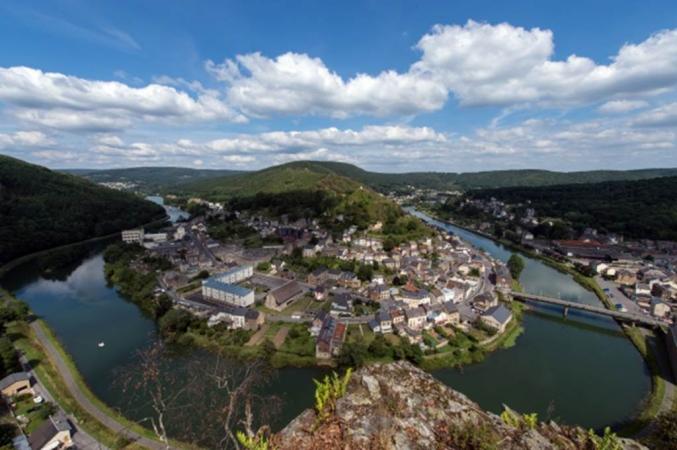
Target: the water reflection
(581, 370)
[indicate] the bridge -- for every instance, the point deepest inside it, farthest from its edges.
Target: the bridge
(618, 315)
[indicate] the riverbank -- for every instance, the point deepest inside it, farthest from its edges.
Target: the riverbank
(55, 370)
(26, 258)
(650, 354)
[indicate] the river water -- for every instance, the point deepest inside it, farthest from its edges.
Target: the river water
(580, 370)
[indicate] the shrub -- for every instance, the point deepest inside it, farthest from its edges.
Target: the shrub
(608, 441)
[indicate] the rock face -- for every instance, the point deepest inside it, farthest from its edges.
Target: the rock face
(398, 406)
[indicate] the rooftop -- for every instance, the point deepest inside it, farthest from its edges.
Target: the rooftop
(500, 313)
(234, 289)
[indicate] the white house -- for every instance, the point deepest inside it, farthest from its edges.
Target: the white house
(232, 294)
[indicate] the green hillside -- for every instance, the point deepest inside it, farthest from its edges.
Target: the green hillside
(41, 209)
(449, 181)
(151, 179)
(308, 189)
(508, 178)
(475, 180)
(636, 208)
(166, 179)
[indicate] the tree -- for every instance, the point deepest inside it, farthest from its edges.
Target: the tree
(213, 388)
(263, 266)
(7, 433)
(175, 321)
(413, 353)
(365, 272)
(380, 347)
(297, 254)
(8, 357)
(353, 354)
(515, 265)
(267, 349)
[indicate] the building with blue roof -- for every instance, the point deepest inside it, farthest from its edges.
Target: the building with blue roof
(215, 289)
(235, 275)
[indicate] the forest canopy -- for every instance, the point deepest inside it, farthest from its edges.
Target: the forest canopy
(635, 209)
(41, 209)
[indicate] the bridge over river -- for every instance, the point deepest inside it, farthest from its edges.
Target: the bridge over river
(619, 315)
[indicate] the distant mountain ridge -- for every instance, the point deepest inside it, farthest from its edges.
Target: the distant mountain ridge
(150, 179)
(41, 209)
(167, 178)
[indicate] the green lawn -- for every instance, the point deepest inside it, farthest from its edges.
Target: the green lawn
(299, 305)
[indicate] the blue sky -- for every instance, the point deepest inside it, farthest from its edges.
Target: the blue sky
(387, 85)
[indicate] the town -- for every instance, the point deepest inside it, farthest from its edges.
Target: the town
(422, 292)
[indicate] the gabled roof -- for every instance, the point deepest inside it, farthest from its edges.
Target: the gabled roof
(500, 313)
(415, 312)
(286, 292)
(383, 316)
(46, 431)
(13, 378)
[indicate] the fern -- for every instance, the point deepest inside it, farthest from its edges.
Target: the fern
(327, 393)
(608, 441)
(510, 418)
(530, 420)
(258, 442)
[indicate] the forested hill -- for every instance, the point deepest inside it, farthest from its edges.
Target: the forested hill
(636, 209)
(41, 209)
(477, 180)
(310, 190)
(151, 179)
(299, 190)
(169, 179)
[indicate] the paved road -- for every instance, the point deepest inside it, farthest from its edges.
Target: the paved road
(642, 319)
(617, 296)
(83, 400)
(81, 439)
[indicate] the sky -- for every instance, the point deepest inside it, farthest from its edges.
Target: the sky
(391, 86)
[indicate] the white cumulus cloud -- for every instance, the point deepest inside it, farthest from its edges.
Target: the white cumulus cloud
(71, 103)
(478, 63)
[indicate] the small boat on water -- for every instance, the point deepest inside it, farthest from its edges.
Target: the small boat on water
(101, 344)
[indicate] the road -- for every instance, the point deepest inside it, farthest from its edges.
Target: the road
(617, 296)
(642, 319)
(83, 399)
(80, 437)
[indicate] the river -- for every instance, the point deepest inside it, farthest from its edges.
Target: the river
(580, 370)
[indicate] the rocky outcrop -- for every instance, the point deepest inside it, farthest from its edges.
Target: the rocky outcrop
(398, 406)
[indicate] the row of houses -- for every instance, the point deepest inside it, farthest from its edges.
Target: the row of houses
(410, 322)
(54, 432)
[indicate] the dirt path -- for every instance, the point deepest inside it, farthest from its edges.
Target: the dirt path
(257, 337)
(281, 335)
